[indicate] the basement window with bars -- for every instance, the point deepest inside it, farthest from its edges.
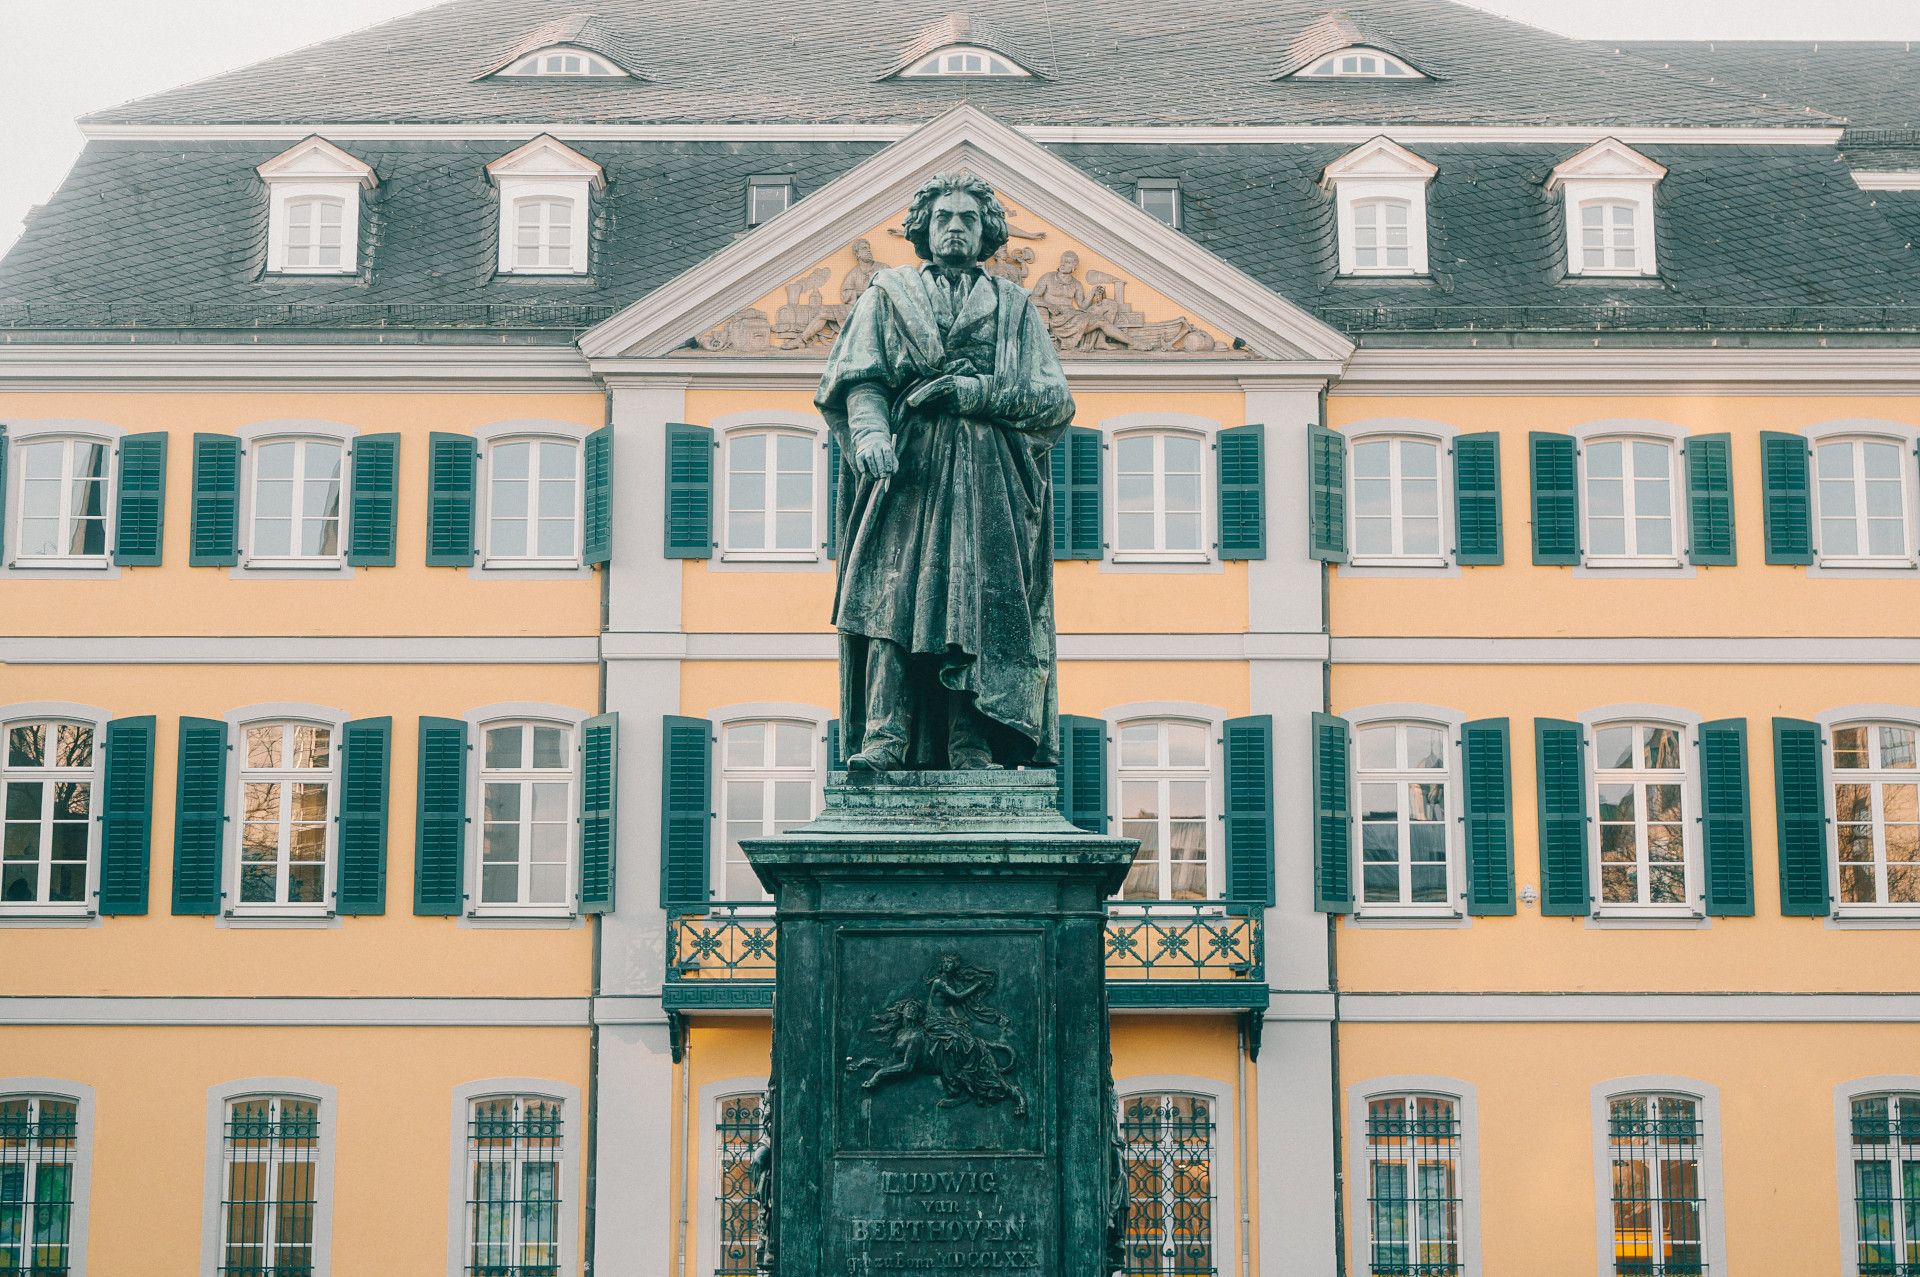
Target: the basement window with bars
(741, 1133)
(1656, 1147)
(1413, 1186)
(271, 1148)
(1167, 1152)
(1886, 1185)
(39, 1142)
(514, 1149)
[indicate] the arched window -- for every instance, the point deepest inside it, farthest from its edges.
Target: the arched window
(1640, 809)
(1396, 499)
(1876, 814)
(1362, 64)
(965, 60)
(1861, 499)
(296, 500)
(1381, 235)
(287, 773)
(1414, 1202)
(1630, 500)
(515, 1147)
(39, 1161)
(1165, 779)
(770, 494)
(527, 816)
(563, 62)
(740, 1132)
(769, 783)
(270, 1185)
(1167, 1149)
(1656, 1147)
(543, 235)
(63, 499)
(1885, 1152)
(1159, 508)
(1609, 236)
(533, 502)
(48, 774)
(315, 232)
(1406, 813)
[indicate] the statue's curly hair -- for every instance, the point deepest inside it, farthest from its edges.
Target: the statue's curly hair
(993, 218)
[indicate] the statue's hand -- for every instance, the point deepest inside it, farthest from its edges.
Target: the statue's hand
(874, 457)
(966, 395)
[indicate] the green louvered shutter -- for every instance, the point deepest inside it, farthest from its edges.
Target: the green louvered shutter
(1248, 748)
(599, 788)
(1241, 457)
(597, 539)
(373, 512)
(1800, 802)
(365, 748)
(686, 830)
(200, 816)
(1556, 499)
(832, 542)
(1082, 777)
(836, 750)
(1563, 818)
(440, 819)
(689, 491)
(1077, 515)
(1710, 499)
(1326, 494)
(1726, 827)
(214, 535)
(1332, 815)
(1785, 484)
(140, 507)
(1486, 767)
(126, 816)
(1476, 499)
(453, 463)
(3, 494)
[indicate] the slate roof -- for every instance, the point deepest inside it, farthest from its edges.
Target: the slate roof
(1336, 30)
(964, 28)
(1872, 84)
(580, 31)
(1109, 62)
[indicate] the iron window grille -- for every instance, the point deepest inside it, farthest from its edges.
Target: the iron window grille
(1659, 1204)
(514, 1146)
(1886, 1185)
(38, 1139)
(1167, 1141)
(1413, 1179)
(271, 1150)
(742, 1132)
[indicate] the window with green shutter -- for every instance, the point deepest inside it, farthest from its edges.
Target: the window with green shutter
(214, 536)
(140, 507)
(836, 750)
(1556, 498)
(1078, 530)
(1726, 828)
(126, 816)
(1476, 499)
(599, 763)
(1800, 806)
(440, 820)
(1710, 499)
(597, 535)
(1242, 454)
(1326, 494)
(686, 829)
(1486, 767)
(365, 749)
(1332, 815)
(200, 816)
(1248, 750)
(373, 512)
(452, 469)
(1558, 746)
(689, 496)
(832, 521)
(1082, 773)
(1785, 489)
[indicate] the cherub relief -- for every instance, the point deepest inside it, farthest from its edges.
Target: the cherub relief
(951, 1034)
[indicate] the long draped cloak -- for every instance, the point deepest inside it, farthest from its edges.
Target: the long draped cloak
(952, 558)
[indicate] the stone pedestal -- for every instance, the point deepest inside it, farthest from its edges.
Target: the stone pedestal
(942, 1079)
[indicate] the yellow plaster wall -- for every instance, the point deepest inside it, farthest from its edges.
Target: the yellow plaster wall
(409, 598)
(391, 954)
(1518, 598)
(1764, 953)
(1534, 1087)
(395, 1095)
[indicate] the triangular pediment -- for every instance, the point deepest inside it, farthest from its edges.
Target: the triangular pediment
(314, 159)
(1607, 160)
(1380, 158)
(545, 156)
(1134, 286)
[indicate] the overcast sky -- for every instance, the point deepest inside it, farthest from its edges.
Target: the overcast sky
(68, 57)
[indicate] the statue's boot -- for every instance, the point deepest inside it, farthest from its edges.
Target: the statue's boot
(967, 747)
(883, 747)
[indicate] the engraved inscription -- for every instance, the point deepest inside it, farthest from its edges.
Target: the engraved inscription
(941, 1220)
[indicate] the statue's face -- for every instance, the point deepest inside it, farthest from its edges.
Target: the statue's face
(1069, 263)
(862, 251)
(954, 229)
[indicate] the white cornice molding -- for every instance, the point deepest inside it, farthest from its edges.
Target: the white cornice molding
(1782, 650)
(1216, 293)
(725, 372)
(490, 1012)
(141, 649)
(496, 368)
(1887, 179)
(1703, 370)
(1299, 645)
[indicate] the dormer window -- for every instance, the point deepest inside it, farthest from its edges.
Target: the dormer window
(965, 60)
(1380, 196)
(576, 46)
(957, 46)
(1360, 64)
(546, 196)
(767, 198)
(313, 209)
(563, 61)
(1159, 198)
(1607, 193)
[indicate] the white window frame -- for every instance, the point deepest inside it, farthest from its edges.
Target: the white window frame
(251, 445)
(1351, 62)
(530, 716)
(539, 206)
(1713, 1229)
(1211, 777)
(707, 1160)
(1359, 1095)
(808, 716)
(1443, 497)
(490, 448)
(212, 1219)
(1609, 171)
(1380, 169)
(314, 167)
(1873, 776)
(79, 715)
(81, 1187)
(1228, 1204)
(567, 1213)
(937, 65)
(545, 168)
(1843, 1097)
(1903, 446)
(1448, 774)
(813, 551)
(772, 182)
(536, 65)
(1207, 550)
(238, 722)
(1676, 500)
(1167, 186)
(1686, 777)
(19, 439)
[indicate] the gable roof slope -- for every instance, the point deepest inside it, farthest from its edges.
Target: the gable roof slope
(1873, 84)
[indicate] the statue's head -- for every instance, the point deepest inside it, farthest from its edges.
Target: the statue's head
(949, 963)
(862, 251)
(956, 220)
(1069, 262)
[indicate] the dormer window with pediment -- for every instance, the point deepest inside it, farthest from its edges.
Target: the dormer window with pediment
(1380, 196)
(958, 46)
(314, 192)
(546, 199)
(1607, 193)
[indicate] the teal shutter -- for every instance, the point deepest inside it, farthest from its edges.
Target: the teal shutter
(1248, 748)
(1785, 484)
(1476, 499)
(599, 787)
(1486, 768)
(836, 751)
(1710, 499)
(126, 816)
(373, 512)
(440, 819)
(686, 829)
(140, 508)
(833, 495)
(365, 747)
(1800, 802)
(1241, 457)
(214, 535)
(1726, 828)
(1326, 494)
(1083, 772)
(689, 491)
(1077, 516)
(1563, 818)
(1332, 816)
(597, 540)
(453, 463)
(200, 816)
(1556, 499)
